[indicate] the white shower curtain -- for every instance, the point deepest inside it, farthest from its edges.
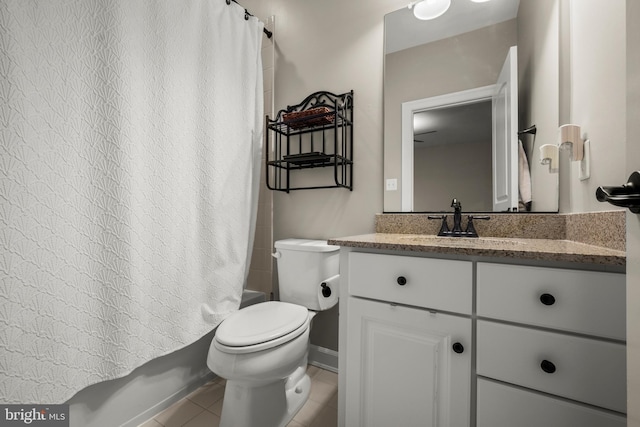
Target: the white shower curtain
(131, 133)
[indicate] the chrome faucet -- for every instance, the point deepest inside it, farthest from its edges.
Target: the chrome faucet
(457, 231)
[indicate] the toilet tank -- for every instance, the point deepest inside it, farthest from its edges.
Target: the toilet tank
(308, 272)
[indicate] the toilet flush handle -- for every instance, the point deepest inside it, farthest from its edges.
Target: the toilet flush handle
(276, 254)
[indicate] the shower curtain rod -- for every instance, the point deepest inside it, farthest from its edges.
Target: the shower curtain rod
(247, 15)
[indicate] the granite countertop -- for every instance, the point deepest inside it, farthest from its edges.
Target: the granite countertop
(515, 248)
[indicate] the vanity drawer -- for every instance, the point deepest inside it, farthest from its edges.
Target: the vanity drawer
(500, 405)
(583, 369)
(587, 302)
(424, 282)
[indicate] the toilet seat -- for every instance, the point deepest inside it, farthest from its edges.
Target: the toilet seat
(261, 326)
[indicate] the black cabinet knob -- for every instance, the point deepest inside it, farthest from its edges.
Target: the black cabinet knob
(548, 367)
(547, 299)
(402, 280)
(457, 347)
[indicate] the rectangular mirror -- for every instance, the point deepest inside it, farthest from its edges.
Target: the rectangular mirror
(441, 138)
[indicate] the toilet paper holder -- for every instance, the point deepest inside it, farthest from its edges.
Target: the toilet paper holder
(326, 290)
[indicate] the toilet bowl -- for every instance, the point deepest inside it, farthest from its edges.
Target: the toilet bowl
(262, 350)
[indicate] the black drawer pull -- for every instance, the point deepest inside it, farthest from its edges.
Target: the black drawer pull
(457, 347)
(547, 299)
(548, 367)
(402, 280)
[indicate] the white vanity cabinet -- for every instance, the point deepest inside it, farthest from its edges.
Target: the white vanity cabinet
(472, 342)
(408, 344)
(550, 347)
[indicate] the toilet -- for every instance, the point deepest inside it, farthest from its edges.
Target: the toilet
(262, 350)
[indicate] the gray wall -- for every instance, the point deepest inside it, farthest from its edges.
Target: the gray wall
(463, 166)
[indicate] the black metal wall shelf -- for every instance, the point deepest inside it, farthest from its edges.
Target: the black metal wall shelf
(317, 133)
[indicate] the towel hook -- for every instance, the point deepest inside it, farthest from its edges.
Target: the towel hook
(531, 130)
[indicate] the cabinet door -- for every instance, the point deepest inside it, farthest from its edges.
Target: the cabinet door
(406, 366)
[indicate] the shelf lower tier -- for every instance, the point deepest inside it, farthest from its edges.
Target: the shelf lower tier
(310, 160)
(278, 171)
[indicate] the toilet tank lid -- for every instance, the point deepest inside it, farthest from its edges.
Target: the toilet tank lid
(305, 245)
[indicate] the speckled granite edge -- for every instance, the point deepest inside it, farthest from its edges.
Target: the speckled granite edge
(604, 229)
(525, 249)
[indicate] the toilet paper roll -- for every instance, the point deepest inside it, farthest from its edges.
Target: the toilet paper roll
(549, 156)
(333, 286)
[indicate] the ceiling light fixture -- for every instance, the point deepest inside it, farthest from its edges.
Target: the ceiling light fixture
(429, 9)
(479, 1)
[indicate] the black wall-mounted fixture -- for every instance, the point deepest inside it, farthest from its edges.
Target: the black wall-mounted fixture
(247, 14)
(626, 195)
(531, 130)
(317, 133)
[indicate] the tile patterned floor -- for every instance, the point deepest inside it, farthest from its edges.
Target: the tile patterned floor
(202, 407)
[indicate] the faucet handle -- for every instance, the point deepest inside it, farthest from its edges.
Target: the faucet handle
(444, 228)
(471, 229)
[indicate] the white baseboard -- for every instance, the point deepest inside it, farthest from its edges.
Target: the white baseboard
(324, 358)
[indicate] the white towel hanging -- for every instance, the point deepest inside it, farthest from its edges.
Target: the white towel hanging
(524, 178)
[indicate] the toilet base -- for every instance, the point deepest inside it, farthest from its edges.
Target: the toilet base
(267, 405)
